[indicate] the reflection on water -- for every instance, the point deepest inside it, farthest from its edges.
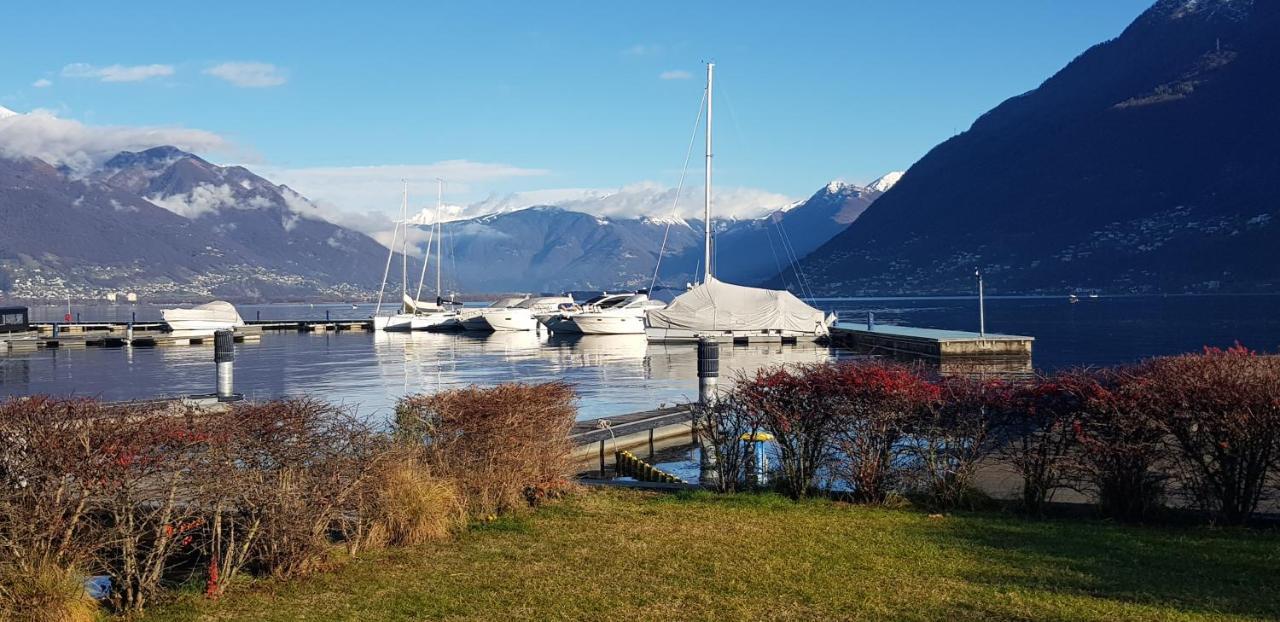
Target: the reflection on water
(613, 374)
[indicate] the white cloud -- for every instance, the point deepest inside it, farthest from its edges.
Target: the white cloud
(249, 74)
(675, 74)
(116, 73)
(42, 134)
(366, 197)
(643, 49)
(202, 199)
(42, 83)
(640, 199)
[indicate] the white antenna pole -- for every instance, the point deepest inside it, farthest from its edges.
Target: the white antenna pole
(706, 203)
(982, 308)
(439, 257)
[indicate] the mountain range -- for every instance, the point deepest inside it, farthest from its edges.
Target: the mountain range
(165, 223)
(1149, 163)
(547, 248)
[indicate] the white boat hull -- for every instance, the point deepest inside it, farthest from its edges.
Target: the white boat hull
(513, 319)
(610, 324)
(205, 318)
(200, 326)
(473, 320)
(559, 323)
(678, 335)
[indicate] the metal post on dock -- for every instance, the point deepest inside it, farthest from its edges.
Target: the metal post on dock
(224, 355)
(982, 308)
(133, 317)
(128, 334)
(708, 377)
(871, 321)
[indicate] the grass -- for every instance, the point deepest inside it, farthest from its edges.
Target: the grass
(629, 555)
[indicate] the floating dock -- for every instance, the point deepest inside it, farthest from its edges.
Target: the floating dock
(156, 334)
(928, 342)
(953, 352)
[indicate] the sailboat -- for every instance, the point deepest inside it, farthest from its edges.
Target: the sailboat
(731, 312)
(431, 314)
(403, 319)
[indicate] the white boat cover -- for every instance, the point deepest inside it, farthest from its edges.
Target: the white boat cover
(218, 311)
(719, 306)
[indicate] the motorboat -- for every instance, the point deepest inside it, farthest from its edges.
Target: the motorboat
(473, 319)
(560, 321)
(725, 311)
(521, 316)
(205, 318)
(625, 318)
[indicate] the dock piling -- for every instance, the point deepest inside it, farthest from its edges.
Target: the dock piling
(708, 377)
(224, 355)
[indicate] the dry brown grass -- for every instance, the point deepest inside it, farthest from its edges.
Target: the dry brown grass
(45, 593)
(507, 447)
(410, 506)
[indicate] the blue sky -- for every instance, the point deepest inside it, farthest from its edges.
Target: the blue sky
(565, 95)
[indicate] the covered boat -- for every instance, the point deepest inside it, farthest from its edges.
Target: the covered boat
(209, 317)
(726, 311)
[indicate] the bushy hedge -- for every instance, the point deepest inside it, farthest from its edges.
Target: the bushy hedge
(1204, 427)
(154, 496)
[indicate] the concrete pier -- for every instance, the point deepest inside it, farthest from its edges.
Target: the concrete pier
(927, 342)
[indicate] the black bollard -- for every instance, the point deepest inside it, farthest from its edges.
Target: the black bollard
(708, 369)
(708, 376)
(224, 356)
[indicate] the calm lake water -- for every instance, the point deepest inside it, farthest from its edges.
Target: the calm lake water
(613, 374)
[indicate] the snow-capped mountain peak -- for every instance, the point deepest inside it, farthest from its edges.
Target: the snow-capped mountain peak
(885, 182)
(835, 186)
(6, 113)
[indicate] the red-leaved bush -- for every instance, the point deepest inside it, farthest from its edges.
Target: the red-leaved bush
(1121, 450)
(1222, 411)
(797, 406)
(876, 405)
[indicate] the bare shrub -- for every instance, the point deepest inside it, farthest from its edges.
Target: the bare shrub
(47, 480)
(146, 485)
(793, 406)
(1222, 408)
(951, 435)
(721, 426)
(296, 470)
(506, 447)
(1121, 450)
(1036, 422)
(45, 592)
(875, 404)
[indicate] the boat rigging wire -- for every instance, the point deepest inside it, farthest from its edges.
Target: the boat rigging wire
(675, 201)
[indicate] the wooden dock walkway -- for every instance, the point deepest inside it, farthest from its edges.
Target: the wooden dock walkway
(596, 440)
(928, 342)
(156, 334)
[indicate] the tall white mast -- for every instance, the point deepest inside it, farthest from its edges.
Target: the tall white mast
(706, 203)
(439, 231)
(404, 249)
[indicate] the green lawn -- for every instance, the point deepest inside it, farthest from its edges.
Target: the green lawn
(638, 556)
